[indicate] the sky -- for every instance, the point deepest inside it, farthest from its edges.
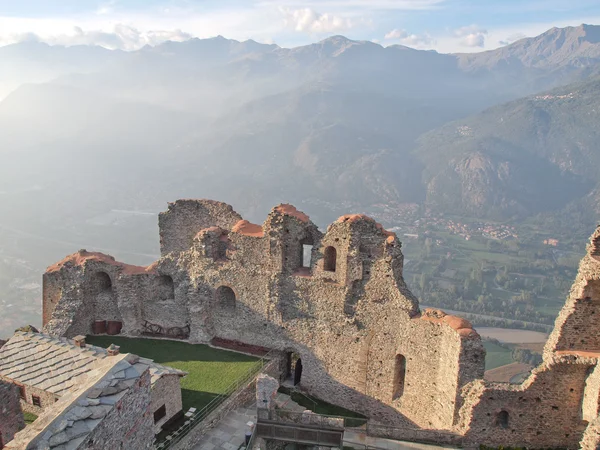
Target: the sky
(443, 25)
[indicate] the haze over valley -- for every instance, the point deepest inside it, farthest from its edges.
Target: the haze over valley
(474, 160)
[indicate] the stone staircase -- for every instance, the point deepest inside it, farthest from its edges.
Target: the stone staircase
(284, 401)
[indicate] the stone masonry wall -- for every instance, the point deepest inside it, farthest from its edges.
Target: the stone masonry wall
(591, 437)
(185, 218)
(11, 416)
(166, 391)
(577, 324)
(543, 412)
(47, 399)
(360, 304)
(348, 315)
(129, 425)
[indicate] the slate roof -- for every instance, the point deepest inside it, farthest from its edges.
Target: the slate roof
(52, 364)
(68, 423)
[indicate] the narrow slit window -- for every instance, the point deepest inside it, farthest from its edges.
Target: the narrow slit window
(399, 376)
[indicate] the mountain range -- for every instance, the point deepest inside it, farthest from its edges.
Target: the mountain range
(503, 134)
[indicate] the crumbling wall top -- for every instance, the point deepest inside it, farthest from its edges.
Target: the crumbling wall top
(248, 229)
(462, 326)
(291, 210)
(356, 218)
(593, 247)
(182, 221)
(81, 257)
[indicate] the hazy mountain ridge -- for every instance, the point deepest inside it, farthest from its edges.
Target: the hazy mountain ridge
(336, 120)
(530, 155)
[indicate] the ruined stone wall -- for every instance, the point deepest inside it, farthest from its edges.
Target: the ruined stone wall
(431, 348)
(577, 323)
(11, 416)
(166, 391)
(92, 287)
(346, 316)
(591, 436)
(129, 425)
(544, 412)
(591, 397)
(185, 218)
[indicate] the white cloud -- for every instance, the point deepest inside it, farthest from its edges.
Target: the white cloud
(424, 40)
(418, 40)
(472, 36)
(122, 37)
(396, 34)
(133, 29)
(309, 21)
(370, 5)
(512, 38)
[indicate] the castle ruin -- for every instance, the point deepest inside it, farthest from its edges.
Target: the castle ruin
(337, 302)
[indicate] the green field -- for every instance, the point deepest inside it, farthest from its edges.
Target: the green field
(496, 356)
(210, 370)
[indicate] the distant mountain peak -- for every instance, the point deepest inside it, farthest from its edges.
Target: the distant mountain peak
(337, 39)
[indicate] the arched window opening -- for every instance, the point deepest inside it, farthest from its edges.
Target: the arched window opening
(165, 287)
(399, 376)
(330, 259)
(103, 282)
(502, 419)
(226, 297)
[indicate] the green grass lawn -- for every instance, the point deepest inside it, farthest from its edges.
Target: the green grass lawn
(210, 370)
(496, 356)
(29, 417)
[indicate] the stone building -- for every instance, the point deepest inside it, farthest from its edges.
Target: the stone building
(107, 408)
(44, 369)
(337, 305)
(11, 416)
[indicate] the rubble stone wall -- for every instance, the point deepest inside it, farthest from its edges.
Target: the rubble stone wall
(166, 392)
(47, 399)
(541, 413)
(185, 218)
(362, 340)
(11, 416)
(129, 425)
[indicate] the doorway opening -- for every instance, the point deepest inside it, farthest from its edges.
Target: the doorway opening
(293, 374)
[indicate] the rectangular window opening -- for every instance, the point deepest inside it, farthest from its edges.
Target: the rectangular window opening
(36, 401)
(306, 255)
(160, 413)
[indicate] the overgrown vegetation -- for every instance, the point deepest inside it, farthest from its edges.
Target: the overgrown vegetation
(29, 417)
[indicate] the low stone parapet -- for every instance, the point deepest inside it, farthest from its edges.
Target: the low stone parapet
(414, 434)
